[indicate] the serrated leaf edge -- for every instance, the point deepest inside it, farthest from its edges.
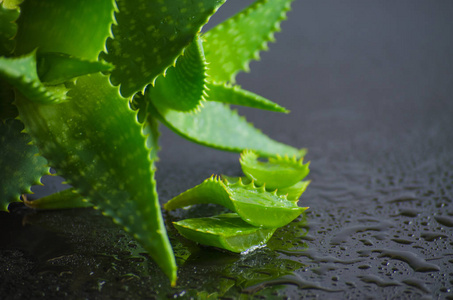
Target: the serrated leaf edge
(37, 181)
(152, 81)
(264, 45)
(39, 92)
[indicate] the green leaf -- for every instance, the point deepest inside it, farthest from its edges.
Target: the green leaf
(96, 143)
(55, 68)
(8, 29)
(183, 87)
(216, 125)
(151, 129)
(12, 4)
(68, 198)
(21, 73)
(279, 172)
(20, 163)
(233, 94)
(74, 27)
(231, 45)
(149, 37)
(150, 124)
(254, 205)
(226, 231)
(292, 193)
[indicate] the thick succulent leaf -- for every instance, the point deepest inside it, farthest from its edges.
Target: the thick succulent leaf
(183, 87)
(278, 172)
(216, 125)
(8, 29)
(150, 124)
(231, 45)
(95, 142)
(75, 27)
(226, 231)
(150, 35)
(21, 73)
(20, 163)
(12, 4)
(233, 94)
(55, 68)
(292, 193)
(254, 205)
(21, 166)
(68, 198)
(151, 129)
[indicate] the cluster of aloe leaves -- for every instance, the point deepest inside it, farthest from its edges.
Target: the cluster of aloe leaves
(262, 201)
(85, 84)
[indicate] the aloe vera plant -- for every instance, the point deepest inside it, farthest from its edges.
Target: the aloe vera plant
(84, 85)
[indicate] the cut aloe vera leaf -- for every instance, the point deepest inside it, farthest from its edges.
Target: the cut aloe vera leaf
(292, 193)
(154, 34)
(68, 198)
(95, 142)
(21, 72)
(231, 45)
(55, 68)
(20, 163)
(278, 172)
(233, 94)
(254, 205)
(184, 86)
(203, 127)
(226, 231)
(75, 27)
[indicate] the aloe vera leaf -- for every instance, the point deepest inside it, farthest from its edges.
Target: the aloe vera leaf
(55, 68)
(216, 125)
(95, 142)
(292, 193)
(20, 163)
(74, 27)
(151, 129)
(21, 73)
(8, 29)
(226, 231)
(233, 94)
(254, 205)
(68, 198)
(12, 4)
(231, 45)
(183, 87)
(150, 124)
(278, 172)
(154, 33)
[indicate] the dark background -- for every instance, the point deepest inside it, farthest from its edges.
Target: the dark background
(369, 85)
(350, 71)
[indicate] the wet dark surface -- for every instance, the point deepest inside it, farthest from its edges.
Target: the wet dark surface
(370, 87)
